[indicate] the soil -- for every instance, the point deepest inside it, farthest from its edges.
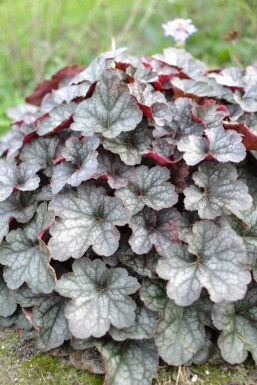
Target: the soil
(22, 364)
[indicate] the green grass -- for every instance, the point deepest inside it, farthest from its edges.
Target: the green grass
(39, 36)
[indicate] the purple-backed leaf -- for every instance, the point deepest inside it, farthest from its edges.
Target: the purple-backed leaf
(164, 71)
(129, 362)
(148, 99)
(237, 321)
(209, 114)
(64, 95)
(26, 113)
(180, 121)
(249, 136)
(179, 333)
(150, 188)
(40, 151)
(231, 77)
(57, 119)
(21, 206)
(164, 152)
(130, 145)
(214, 259)
(223, 145)
(216, 187)
(47, 86)
(142, 264)
(87, 218)
(94, 71)
(47, 317)
(26, 257)
(180, 58)
(100, 298)
(152, 228)
(22, 178)
(142, 328)
(142, 73)
(109, 111)
(8, 303)
(80, 164)
(201, 88)
(111, 167)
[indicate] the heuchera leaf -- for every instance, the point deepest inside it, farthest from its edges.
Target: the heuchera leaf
(56, 120)
(231, 77)
(87, 218)
(99, 298)
(26, 255)
(216, 187)
(80, 164)
(47, 316)
(248, 102)
(8, 303)
(238, 324)
(223, 145)
(111, 167)
(93, 72)
(47, 86)
(152, 228)
(130, 363)
(21, 206)
(130, 145)
(109, 111)
(249, 137)
(150, 188)
(143, 327)
(40, 151)
(209, 114)
(142, 264)
(22, 178)
(214, 260)
(179, 333)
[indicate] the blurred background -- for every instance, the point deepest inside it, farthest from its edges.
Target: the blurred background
(38, 37)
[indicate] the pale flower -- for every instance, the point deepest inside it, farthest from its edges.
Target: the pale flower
(179, 29)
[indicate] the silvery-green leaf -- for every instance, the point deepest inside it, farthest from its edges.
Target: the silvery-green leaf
(130, 145)
(214, 260)
(179, 333)
(26, 257)
(181, 58)
(143, 264)
(64, 95)
(129, 362)
(80, 164)
(151, 228)
(20, 205)
(246, 227)
(22, 178)
(142, 328)
(210, 115)
(22, 322)
(94, 71)
(223, 145)
(40, 151)
(238, 322)
(150, 188)
(47, 316)
(6, 322)
(56, 119)
(111, 167)
(8, 303)
(216, 187)
(109, 111)
(86, 218)
(230, 77)
(99, 298)
(185, 224)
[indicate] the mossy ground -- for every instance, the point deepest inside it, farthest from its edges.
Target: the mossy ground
(21, 364)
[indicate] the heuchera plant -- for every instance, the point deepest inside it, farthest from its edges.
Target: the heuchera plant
(128, 214)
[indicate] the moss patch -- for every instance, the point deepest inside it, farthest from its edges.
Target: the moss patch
(21, 364)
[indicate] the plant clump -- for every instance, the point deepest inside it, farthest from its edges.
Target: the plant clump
(128, 214)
